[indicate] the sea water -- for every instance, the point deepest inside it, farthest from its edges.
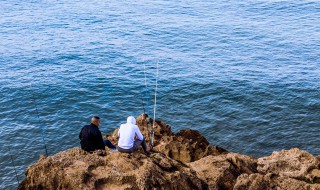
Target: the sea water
(243, 73)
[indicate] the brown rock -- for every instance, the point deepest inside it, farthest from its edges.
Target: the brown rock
(76, 169)
(186, 146)
(243, 163)
(221, 172)
(271, 181)
(185, 150)
(294, 163)
(184, 160)
(161, 130)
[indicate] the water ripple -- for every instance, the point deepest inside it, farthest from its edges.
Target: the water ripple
(244, 73)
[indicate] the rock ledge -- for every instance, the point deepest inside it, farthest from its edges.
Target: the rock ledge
(182, 161)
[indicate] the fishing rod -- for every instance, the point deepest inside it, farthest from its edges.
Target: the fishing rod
(155, 105)
(15, 171)
(35, 105)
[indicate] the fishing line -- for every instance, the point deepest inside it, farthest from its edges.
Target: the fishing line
(15, 171)
(42, 131)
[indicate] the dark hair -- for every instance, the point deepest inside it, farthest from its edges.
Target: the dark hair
(96, 117)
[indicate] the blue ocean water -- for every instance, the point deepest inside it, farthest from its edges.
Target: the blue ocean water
(243, 73)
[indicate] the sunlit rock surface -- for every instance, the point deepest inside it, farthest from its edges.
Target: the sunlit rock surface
(184, 160)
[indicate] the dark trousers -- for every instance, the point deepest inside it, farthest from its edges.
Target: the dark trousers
(136, 144)
(107, 143)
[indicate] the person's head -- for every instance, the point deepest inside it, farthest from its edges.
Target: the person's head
(131, 120)
(95, 120)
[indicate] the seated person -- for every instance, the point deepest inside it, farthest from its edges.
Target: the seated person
(91, 138)
(127, 133)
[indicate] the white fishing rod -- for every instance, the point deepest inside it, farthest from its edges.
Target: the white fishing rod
(155, 105)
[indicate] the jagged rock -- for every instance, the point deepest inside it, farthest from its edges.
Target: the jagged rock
(185, 146)
(271, 181)
(293, 163)
(221, 172)
(184, 160)
(287, 169)
(161, 130)
(185, 150)
(76, 169)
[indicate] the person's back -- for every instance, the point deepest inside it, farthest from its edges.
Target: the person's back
(127, 133)
(91, 138)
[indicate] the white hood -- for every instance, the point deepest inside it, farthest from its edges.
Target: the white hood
(127, 132)
(131, 120)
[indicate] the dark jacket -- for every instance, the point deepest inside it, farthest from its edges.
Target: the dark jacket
(91, 138)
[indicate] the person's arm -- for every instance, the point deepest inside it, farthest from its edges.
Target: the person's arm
(138, 133)
(98, 139)
(101, 141)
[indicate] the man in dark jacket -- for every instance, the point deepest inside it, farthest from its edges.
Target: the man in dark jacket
(91, 138)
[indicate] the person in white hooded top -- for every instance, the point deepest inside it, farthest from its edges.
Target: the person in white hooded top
(127, 134)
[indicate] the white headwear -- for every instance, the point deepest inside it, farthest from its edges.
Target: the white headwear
(131, 120)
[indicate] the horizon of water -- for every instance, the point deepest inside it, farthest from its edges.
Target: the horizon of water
(244, 74)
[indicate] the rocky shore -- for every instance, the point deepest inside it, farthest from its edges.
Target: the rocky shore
(184, 160)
